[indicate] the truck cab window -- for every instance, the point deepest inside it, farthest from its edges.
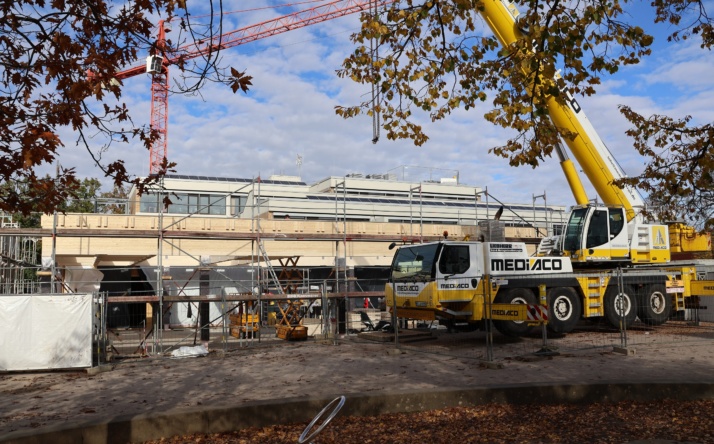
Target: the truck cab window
(573, 231)
(597, 231)
(414, 262)
(454, 259)
(617, 222)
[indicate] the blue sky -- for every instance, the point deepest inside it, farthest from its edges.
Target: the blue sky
(289, 111)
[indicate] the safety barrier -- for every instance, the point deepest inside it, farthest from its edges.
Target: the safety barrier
(621, 315)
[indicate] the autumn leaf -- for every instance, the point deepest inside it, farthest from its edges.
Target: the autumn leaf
(240, 81)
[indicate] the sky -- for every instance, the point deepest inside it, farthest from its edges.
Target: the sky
(289, 112)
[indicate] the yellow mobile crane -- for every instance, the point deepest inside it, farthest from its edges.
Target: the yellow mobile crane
(595, 234)
(472, 281)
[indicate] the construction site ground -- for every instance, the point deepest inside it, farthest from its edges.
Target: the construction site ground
(282, 382)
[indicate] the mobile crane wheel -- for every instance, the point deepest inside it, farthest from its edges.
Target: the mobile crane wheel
(514, 296)
(564, 309)
(620, 308)
(655, 305)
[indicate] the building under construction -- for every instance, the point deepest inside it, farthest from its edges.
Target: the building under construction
(235, 240)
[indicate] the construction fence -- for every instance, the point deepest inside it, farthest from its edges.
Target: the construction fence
(640, 314)
(202, 314)
(213, 310)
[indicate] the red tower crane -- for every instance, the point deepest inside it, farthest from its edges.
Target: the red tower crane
(158, 64)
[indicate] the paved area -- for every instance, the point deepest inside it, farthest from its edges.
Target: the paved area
(135, 400)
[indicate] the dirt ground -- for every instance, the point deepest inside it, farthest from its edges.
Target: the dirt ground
(300, 369)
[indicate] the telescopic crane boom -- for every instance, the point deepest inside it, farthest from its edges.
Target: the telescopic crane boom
(615, 231)
(597, 162)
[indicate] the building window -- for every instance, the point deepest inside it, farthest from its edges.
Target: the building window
(217, 205)
(179, 204)
(149, 203)
(183, 203)
(237, 205)
(192, 203)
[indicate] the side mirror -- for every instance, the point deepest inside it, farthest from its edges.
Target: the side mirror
(392, 245)
(474, 283)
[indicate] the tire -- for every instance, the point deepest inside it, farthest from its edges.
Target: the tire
(613, 312)
(564, 309)
(514, 296)
(655, 305)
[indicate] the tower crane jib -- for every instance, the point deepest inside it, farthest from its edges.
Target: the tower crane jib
(167, 56)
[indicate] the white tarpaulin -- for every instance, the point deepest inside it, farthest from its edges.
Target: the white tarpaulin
(45, 331)
(190, 352)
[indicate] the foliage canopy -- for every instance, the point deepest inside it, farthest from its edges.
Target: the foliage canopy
(435, 56)
(58, 62)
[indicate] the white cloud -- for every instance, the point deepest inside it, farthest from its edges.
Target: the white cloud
(290, 110)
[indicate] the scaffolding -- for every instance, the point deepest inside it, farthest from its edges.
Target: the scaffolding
(18, 260)
(246, 305)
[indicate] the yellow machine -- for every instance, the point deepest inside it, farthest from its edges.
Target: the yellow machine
(615, 231)
(469, 282)
(462, 282)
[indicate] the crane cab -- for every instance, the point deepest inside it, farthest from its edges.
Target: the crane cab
(154, 64)
(601, 234)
